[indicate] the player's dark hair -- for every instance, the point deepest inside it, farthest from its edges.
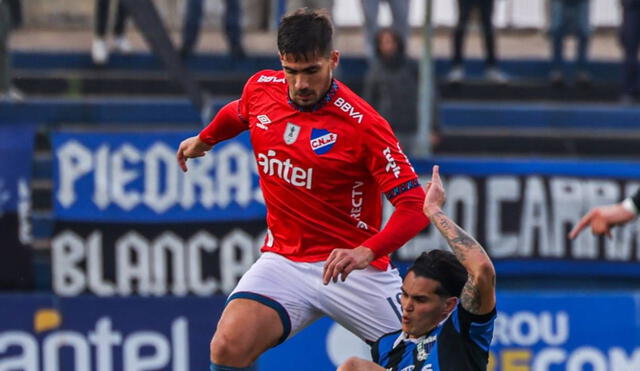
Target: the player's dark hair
(444, 267)
(305, 34)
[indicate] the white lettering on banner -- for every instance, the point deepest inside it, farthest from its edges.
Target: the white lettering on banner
(586, 358)
(218, 179)
(74, 161)
(500, 189)
(391, 163)
(348, 108)
(122, 175)
(528, 329)
(525, 328)
(106, 341)
(530, 217)
(141, 264)
(535, 217)
(25, 234)
(285, 170)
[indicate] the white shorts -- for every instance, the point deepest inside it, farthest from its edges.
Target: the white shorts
(367, 303)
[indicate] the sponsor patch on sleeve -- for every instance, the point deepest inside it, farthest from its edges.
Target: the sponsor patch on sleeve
(395, 191)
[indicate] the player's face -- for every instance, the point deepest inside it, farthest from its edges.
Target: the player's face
(422, 308)
(308, 78)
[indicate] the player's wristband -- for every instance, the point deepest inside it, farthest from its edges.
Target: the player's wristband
(630, 206)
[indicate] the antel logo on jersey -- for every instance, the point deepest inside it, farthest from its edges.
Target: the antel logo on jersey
(322, 141)
(264, 78)
(285, 170)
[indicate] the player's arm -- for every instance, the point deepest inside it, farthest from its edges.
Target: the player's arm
(404, 224)
(479, 293)
(226, 124)
(602, 218)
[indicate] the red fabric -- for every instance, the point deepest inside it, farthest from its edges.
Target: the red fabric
(406, 221)
(321, 172)
(226, 124)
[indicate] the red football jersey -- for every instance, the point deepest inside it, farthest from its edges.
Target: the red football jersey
(322, 170)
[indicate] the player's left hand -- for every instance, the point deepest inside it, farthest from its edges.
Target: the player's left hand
(435, 194)
(341, 262)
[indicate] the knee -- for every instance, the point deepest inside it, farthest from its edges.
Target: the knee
(225, 351)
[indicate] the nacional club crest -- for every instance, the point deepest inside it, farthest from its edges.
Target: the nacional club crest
(291, 133)
(322, 141)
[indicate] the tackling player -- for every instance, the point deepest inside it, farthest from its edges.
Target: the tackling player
(324, 157)
(448, 305)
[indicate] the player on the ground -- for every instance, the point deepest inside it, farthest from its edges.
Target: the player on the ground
(602, 218)
(324, 157)
(448, 305)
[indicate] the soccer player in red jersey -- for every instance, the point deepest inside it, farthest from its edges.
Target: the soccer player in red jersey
(324, 157)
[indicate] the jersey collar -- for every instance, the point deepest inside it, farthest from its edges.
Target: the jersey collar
(328, 96)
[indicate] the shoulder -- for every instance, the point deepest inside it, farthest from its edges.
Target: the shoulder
(266, 78)
(387, 340)
(355, 109)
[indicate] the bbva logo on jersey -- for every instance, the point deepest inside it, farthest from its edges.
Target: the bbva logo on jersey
(322, 140)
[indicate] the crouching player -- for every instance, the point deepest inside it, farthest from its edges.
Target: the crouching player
(448, 304)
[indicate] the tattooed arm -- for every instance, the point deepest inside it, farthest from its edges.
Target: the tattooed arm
(479, 293)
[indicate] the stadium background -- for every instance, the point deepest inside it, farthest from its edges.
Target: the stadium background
(111, 259)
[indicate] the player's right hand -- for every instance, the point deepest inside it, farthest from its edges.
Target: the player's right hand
(191, 148)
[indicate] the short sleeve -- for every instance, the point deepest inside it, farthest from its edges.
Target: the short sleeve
(477, 328)
(385, 160)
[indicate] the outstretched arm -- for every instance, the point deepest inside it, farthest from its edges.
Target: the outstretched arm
(226, 124)
(479, 293)
(602, 218)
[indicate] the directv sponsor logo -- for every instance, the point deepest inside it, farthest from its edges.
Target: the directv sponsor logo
(322, 141)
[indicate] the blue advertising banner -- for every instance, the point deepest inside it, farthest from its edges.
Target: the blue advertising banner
(16, 154)
(134, 177)
(521, 211)
(44, 332)
(533, 332)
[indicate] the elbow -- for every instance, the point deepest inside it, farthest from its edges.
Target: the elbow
(485, 274)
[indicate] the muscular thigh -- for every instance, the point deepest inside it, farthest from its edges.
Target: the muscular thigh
(251, 326)
(367, 303)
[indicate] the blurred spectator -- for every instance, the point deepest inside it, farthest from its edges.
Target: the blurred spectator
(400, 13)
(311, 4)
(630, 38)
(569, 16)
(100, 49)
(10, 18)
(193, 20)
(492, 73)
(391, 85)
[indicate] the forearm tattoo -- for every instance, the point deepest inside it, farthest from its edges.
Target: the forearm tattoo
(462, 244)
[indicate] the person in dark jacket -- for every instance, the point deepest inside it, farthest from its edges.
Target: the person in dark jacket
(391, 85)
